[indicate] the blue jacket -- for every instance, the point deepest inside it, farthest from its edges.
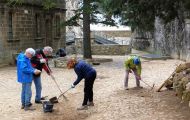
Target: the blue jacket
(83, 70)
(25, 70)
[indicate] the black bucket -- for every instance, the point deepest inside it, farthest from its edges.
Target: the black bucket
(47, 106)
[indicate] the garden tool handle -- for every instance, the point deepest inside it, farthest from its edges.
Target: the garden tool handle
(143, 81)
(53, 78)
(64, 92)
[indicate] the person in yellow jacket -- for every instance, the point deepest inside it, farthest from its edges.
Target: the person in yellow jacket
(133, 65)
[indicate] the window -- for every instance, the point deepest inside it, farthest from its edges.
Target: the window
(57, 26)
(37, 25)
(10, 25)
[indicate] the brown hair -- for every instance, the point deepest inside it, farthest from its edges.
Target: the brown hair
(71, 62)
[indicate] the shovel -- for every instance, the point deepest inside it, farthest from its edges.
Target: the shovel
(64, 92)
(57, 86)
(55, 99)
(151, 87)
(148, 84)
(53, 78)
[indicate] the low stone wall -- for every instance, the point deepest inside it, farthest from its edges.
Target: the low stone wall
(60, 62)
(99, 49)
(113, 33)
(108, 50)
(111, 49)
(7, 58)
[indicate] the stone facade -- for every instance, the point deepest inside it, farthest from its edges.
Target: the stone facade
(29, 25)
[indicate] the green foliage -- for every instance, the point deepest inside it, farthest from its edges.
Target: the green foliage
(48, 4)
(138, 13)
(14, 2)
(142, 13)
(73, 21)
(93, 9)
(187, 4)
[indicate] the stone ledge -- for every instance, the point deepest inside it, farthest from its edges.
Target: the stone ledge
(13, 40)
(3, 65)
(38, 38)
(61, 62)
(155, 57)
(57, 38)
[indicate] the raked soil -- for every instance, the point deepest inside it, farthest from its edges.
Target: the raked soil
(112, 101)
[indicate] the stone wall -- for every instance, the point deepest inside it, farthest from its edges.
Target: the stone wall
(112, 33)
(111, 49)
(31, 27)
(187, 38)
(173, 38)
(100, 49)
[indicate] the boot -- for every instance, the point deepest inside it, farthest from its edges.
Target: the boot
(26, 108)
(90, 104)
(140, 87)
(22, 107)
(126, 88)
(38, 102)
(83, 107)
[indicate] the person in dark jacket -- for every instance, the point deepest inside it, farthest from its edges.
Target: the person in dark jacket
(60, 53)
(84, 70)
(25, 73)
(40, 61)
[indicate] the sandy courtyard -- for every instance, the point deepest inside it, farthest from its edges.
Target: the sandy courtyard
(112, 102)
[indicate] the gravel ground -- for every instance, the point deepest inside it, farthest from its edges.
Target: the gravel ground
(112, 102)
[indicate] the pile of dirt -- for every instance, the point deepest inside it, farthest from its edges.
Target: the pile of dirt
(180, 82)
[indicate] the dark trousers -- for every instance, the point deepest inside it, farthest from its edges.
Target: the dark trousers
(88, 87)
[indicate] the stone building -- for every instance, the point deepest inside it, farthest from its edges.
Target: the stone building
(30, 25)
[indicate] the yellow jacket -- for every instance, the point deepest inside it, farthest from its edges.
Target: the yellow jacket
(130, 65)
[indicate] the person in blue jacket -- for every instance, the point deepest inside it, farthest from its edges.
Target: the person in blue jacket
(84, 70)
(25, 73)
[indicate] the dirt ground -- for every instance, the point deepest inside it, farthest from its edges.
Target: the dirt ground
(112, 102)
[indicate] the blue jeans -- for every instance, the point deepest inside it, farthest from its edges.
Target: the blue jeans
(26, 93)
(38, 85)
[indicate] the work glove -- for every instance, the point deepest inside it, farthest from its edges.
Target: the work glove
(72, 86)
(42, 60)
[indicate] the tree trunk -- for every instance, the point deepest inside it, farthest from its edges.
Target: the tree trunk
(86, 31)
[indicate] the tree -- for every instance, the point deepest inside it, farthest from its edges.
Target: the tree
(47, 4)
(88, 13)
(86, 30)
(141, 14)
